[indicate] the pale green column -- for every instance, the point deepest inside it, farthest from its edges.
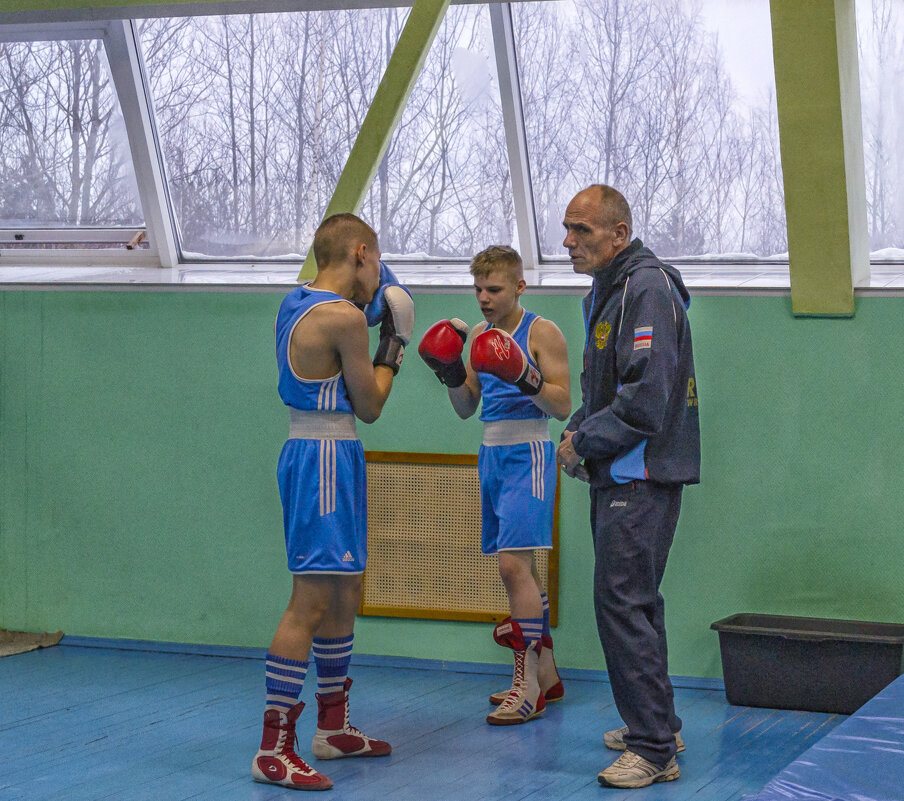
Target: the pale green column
(402, 71)
(818, 94)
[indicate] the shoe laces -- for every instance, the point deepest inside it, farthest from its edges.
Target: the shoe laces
(513, 697)
(287, 749)
(349, 729)
(628, 760)
(291, 755)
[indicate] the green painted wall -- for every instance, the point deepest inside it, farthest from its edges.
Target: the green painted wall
(139, 433)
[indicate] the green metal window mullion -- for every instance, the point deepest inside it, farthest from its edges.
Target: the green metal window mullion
(381, 119)
(818, 96)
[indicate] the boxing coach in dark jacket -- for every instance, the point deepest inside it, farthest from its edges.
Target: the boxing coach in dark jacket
(636, 439)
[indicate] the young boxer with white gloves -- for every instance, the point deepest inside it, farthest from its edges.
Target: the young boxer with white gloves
(327, 379)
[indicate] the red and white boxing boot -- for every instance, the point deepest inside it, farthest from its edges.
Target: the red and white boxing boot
(335, 737)
(547, 676)
(276, 762)
(524, 701)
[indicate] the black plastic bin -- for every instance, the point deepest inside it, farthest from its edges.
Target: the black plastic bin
(807, 663)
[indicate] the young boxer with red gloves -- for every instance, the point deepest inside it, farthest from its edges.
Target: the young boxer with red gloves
(327, 379)
(518, 368)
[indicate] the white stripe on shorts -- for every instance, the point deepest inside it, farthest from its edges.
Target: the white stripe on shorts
(333, 482)
(327, 476)
(537, 468)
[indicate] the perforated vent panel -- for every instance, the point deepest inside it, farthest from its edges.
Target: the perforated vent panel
(423, 544)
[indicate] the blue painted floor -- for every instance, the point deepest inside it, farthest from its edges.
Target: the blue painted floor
(89, 723)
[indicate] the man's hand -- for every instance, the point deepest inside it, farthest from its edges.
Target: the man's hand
(571, 463)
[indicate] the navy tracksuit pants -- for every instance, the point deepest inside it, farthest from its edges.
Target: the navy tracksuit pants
(633, 526)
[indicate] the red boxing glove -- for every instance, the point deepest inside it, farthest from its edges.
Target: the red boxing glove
(441, 347)
(496, 353)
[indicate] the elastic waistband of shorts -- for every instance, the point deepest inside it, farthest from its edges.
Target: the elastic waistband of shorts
(515, 432)
(321, 425)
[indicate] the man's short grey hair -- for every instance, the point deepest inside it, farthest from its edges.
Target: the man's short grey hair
(613, 206)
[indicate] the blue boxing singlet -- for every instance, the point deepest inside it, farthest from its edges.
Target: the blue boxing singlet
(321, 472)
(516, 463)
(503, 401)
(324, 395)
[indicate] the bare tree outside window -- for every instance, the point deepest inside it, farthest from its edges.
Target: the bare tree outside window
(672, 101)
(880, 27)
(637, 94)
(64, 156)
(443, 188)
(257, 115)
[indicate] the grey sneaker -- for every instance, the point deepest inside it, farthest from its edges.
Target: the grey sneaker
(631, 770)
(615, 739)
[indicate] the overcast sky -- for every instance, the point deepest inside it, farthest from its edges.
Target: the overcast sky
(745, 36)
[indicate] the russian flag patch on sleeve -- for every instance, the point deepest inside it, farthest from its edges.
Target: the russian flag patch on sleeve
(643, 337)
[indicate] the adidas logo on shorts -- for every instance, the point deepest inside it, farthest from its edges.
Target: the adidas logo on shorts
(348, 557)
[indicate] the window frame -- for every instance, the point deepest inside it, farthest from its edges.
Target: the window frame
(117, 39)
(118, 32)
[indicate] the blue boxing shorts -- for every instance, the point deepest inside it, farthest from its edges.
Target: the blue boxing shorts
(323, 487)
(517, 495)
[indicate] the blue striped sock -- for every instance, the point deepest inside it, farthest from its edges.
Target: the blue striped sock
(545, 599)
(332, 657)
(531, 628)
(285, 678)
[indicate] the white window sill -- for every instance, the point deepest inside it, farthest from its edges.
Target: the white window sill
(698, 277)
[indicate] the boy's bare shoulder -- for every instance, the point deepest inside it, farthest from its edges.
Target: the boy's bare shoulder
(544, 326)
(338, 316)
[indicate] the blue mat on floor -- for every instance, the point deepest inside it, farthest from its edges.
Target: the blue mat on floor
(862, 759)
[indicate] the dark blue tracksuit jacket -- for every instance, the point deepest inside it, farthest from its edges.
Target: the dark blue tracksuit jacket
(639, 416)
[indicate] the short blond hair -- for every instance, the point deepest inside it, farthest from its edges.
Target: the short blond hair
(498, 257)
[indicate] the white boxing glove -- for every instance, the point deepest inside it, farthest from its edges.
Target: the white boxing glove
(396, 328)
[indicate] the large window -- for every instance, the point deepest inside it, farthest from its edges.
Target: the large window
(880, 27)
(64, 155)
(221, 139)
(256, 115)
(672, 102)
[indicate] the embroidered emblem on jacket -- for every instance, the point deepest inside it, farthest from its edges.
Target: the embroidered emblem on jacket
(601, 332)
(691, 392)
(643, 337)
